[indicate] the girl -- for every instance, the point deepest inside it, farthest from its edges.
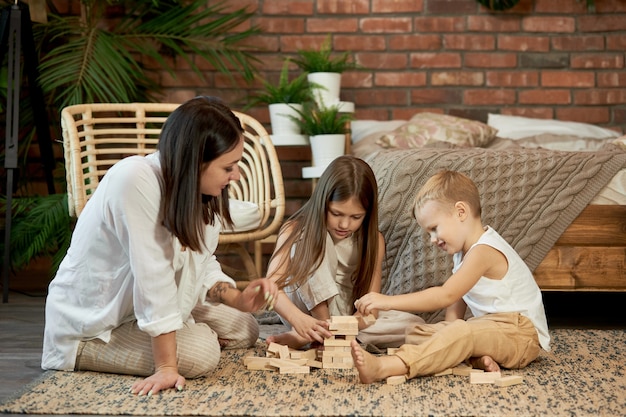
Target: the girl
(330, 253)
(140, 291)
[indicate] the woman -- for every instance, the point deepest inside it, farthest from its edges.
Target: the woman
(140, 291)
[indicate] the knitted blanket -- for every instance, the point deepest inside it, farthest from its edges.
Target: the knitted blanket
(530, 196)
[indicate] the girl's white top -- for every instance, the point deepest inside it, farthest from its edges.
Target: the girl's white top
(517, 291)
(124, 265)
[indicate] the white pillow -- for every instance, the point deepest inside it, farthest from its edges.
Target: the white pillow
(245, 215)
(362, 128)
(516, 127)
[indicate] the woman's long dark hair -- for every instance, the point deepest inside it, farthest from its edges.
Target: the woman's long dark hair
(196, 133)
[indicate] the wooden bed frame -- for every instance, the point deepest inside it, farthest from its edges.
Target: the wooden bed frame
(590, 255)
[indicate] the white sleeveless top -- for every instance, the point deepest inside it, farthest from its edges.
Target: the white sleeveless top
(517, 291)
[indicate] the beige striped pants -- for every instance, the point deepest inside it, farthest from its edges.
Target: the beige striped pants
(129, 351)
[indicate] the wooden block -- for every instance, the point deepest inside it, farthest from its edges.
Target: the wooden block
(280, 351)
(344, 319)
(484, 377)
(369, 319)
(506, 381)
(345, 332)
(337, 365)
(396, 380)
(336, 342)
(444, 372)
(255, 363)
(337, 353)
(464, 370)
(303, 354)
(314, 364)
(294, 370)
(283, 363)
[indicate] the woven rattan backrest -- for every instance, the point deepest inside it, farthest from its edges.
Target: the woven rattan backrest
(96, 136)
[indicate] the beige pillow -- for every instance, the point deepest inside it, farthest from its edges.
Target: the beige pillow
(426, 128)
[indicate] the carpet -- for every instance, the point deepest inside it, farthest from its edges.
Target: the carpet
(583, 375)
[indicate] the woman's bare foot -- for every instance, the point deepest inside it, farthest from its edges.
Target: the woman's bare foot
(290, 338)
(485, 363)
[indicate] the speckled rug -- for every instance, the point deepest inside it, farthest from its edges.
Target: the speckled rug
(583, 375)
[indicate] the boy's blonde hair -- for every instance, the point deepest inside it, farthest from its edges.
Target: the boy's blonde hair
(448, 188)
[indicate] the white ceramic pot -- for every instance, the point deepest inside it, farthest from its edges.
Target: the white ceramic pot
(329, 86)
(280, 118)
(326, 148)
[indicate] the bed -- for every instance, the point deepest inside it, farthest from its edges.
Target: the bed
(555, 190)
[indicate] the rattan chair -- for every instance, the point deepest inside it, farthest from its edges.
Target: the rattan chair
(95, 136)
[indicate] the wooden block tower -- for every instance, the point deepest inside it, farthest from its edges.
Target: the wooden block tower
(336, 353)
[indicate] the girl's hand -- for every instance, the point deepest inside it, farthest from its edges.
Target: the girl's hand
(161, 379)
(310, 328)
(259, 294)
(370, 302)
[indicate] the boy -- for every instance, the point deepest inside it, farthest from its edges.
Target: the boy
(509, 326)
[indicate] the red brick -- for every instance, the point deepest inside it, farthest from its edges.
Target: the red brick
(549, 24)
(612, 79)
(533, 112)
(415, 42)
(584, 114)
(544, 96)
(450, 7)
(386, 25)
(293, 43)
(493, 23)
(182, 79)
(357, 79)
(610, 6)
(512, 78)
(601, 23)
(332, 25)
(440, 24)
(490, 60)
(578, 43)
(281, 25)
(400, 79)
(387, 61)
(597, 61)
(359, 43)
(523, 43)
(457, 78)
(483, 96)
(397, 6)
(567, 79)
(615, 42)
(594, 96)
(469, 42)
(382, 96)
(435, 60)
(371, 114)
(560, 6)
(435, 95)
(288, 7)
(343, 7)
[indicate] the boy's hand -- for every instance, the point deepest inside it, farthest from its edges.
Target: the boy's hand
(371, 302)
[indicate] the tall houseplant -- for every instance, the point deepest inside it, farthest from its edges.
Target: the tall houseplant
(95, 57)
(284, 99)
(324, 69)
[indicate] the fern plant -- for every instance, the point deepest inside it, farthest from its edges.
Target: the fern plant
(315, 120)
(294, 91)
(323, 59)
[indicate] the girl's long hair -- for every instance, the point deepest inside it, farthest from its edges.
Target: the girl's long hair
(345, 177)
(196, 133)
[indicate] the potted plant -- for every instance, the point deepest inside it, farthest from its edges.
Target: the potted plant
(284, 101)
(324, 71)
(326, 127)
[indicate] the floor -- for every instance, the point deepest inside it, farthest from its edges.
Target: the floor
(22, 322)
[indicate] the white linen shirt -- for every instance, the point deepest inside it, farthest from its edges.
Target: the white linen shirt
(124, 265)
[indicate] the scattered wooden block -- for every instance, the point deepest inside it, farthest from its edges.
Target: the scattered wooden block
(284, 363)
(280, 351)
(484, 377)
(294, 370)
(369, 319)
(396, 380)
(314, 364)
(256, 363)
(464, 370)
(344, 319)
(303, 354)
(444, 372)
(506, 381)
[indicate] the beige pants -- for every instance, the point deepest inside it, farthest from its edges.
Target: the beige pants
(509, 338)
(198, 349)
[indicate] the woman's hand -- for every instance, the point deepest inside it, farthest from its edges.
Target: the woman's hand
(164, 378)
(259, 294)
(371, 302)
